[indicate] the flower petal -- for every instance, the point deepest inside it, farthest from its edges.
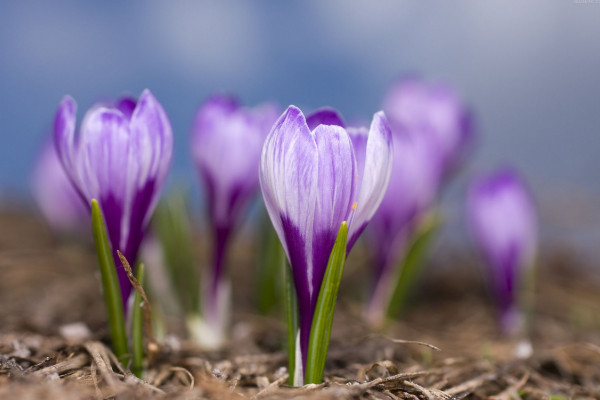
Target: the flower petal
(374, 155)
(288, 175)
(324, 116)
(502, 216)
(103, 159)
(56, 195)
(337, 185)
(150, 154)
(226, 143)
(64, 138)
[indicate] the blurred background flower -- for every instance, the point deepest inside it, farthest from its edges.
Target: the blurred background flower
(226, 144)
(503, 224)
(55, 195)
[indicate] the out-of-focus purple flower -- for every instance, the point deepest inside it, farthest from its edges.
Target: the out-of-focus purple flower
(419, 108)
(227, 141)
(120, 157)
(55, 195)
(311, 182)
(410, 196)
(502, 220)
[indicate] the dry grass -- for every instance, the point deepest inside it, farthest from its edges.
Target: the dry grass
(45, 285)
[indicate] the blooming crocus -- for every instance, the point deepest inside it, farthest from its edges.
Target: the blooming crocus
(56, 197)
(415, 106)
(410, 196)
(503, 224)
(226, 143)
(120, 157)
(312, 180)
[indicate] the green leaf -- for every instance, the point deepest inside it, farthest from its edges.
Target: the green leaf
(137, 328)
(110, 286)
(323, 318)
(291, 303)
(271, 264)
(172, 225)
(411, 265)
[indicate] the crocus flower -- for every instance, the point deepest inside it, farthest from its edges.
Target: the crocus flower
(226, 143)
(503, 223)
(120, 157)
(410, 196)
(435, 110)
(56, 197)
(312, 180)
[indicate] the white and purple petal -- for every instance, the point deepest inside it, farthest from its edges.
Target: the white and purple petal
(374, 157)
(65, 141)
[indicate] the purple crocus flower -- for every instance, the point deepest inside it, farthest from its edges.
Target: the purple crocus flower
(415, 106)
(226, 143)
(120, 157)
(312, 180)
(55, 195)
(410, 196)
(503, 223)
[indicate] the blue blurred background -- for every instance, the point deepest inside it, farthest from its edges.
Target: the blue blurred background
(531, 71)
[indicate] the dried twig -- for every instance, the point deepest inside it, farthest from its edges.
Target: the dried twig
(60, 368)
(276, 384)
(152, 346)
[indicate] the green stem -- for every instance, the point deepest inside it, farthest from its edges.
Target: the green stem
(271, 263)
(110, 286)
(137, 330)
(320, 332)
(291, 303)
(411, 265)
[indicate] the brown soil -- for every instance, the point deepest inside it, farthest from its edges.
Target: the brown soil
(46, 284)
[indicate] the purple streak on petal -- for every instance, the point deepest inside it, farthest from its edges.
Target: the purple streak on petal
(113, 213)
(325, 116)
(294, 240)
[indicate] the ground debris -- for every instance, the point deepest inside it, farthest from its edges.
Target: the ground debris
(445, 347)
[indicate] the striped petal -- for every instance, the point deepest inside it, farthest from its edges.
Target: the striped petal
(64, 138)
(374, 157)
